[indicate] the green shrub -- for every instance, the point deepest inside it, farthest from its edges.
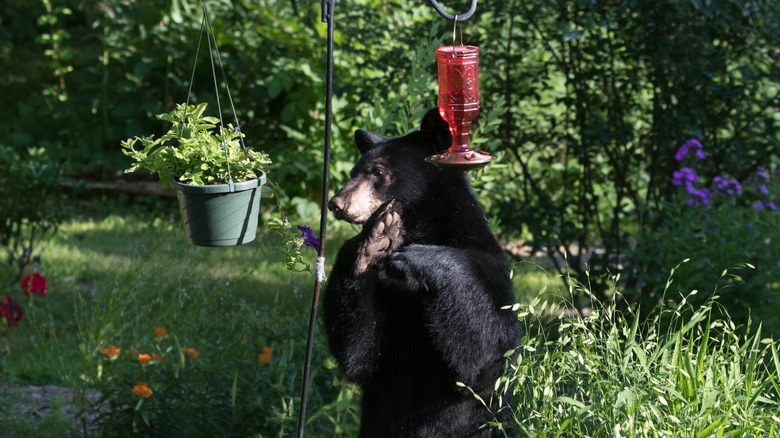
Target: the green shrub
(717, 223)
(31, 207)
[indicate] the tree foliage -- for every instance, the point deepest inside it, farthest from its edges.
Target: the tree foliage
(599, 97)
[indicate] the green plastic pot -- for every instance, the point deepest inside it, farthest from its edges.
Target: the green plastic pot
(220, 215)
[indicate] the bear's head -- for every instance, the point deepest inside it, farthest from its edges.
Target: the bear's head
(393, 169)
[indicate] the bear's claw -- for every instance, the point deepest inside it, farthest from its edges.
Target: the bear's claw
(385, 237)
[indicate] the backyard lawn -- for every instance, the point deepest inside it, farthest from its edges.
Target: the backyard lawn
(138, 330)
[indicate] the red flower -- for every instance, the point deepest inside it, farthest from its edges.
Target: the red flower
(11, 311)
(34, 283)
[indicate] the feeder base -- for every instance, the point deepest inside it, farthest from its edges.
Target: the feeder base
(468, 160)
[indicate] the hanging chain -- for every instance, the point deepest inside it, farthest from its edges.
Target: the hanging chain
(206, 27)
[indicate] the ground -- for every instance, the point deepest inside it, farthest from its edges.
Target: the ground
(28, 407)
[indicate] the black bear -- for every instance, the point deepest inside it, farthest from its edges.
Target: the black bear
(417, 302)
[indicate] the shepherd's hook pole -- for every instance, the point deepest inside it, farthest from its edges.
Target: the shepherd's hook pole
(457, 18)
(327, 17)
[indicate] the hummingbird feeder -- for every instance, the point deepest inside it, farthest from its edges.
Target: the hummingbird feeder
(458, 77)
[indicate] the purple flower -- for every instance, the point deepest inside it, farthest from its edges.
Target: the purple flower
(760, 205)
(763, 189)
(692, 143)
(307, 235)
(737, 187)
(698, 196)
(729, 186)
(685, 175)
(762, 172)
(681, 153)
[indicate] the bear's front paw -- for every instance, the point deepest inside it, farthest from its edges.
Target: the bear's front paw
(385, 237)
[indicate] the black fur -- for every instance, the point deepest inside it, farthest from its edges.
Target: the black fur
(426, 311)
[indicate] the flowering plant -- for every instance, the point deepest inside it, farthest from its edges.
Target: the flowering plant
(194, 152)
(34, 284)
(11, 311)
(699, 193)
(154, 383)
(294, 260)
(717, 224)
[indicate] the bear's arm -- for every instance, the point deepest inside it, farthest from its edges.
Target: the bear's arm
(352, 322)
(463, 294)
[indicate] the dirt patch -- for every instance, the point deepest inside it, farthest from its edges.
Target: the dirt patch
(33, 405)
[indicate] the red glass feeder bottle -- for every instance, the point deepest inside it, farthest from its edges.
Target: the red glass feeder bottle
(459, 105)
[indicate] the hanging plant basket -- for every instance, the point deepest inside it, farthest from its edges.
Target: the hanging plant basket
(218, 180)
(220, 215)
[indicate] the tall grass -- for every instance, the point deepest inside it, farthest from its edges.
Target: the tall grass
(678, 372)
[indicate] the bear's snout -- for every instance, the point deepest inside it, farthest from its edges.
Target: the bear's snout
(336, 205)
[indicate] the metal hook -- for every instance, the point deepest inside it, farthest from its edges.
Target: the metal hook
(458, 17)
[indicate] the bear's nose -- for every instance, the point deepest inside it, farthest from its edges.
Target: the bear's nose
(336, 205)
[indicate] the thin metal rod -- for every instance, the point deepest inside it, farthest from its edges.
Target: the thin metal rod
(327, 16)
(456, 17)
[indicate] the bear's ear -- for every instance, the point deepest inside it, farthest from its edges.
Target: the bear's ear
(365, 141)
(435, 126)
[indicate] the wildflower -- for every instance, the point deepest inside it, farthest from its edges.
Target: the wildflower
(111, 352)
(760, 205)
(307, 235)
(160, 332)
(191, 352)
(698, 196)
(157, 357)
(265, 356)
(730, 186)
(11, 311)
(693, 143)
(144, 358)
(142, 390)
(34, 283)
(685, 176)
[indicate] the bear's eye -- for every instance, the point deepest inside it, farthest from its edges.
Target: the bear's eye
(378, 172)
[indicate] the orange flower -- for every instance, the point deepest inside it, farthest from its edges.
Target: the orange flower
(157, 357)
(191, 352)
(142, 390)
(160, 332)
(144, 359)
(265, 356)
(111, 352)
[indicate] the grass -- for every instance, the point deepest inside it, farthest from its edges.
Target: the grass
(113, 278)
(684, 371)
